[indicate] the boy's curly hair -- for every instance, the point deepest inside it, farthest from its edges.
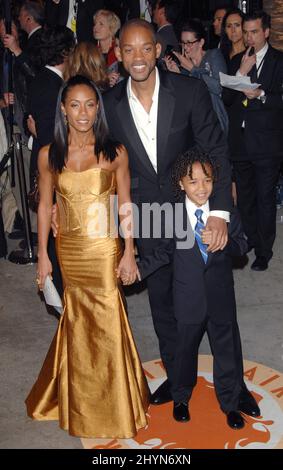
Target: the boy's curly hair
(184, 166)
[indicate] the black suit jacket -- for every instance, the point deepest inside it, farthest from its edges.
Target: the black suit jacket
(185, 118)
(262, 136)
(200, 289)
(58, 14)
(42, 100)
(125, 9)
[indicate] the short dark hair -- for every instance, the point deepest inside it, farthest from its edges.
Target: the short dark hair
(194, 26)
(139, 23)
(56, 43)
(172, 9)
(260, 15)
(35, 10)
(184, 166)
(58, 151)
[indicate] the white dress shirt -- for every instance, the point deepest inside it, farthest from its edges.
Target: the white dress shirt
(260, 58)
(191, 209)
(33, 31)
(55, 70)
(146, 123)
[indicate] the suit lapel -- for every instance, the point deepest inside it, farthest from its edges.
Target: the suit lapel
(166, 104)
(130, 131)
(194, 251)
(266, 72)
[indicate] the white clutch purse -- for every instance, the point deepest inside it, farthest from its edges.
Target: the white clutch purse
(51, 295)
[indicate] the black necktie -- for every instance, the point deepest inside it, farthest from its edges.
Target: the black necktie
(253, 74)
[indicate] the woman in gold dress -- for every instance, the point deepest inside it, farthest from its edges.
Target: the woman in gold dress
(92, 379)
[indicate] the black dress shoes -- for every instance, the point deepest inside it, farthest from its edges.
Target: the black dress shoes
(181, 412)
(248, 405)
(161, 395)
(235, 420)
(259, 264)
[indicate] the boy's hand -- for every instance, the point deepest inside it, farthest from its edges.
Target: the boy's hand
(206, 236)
(219, 233)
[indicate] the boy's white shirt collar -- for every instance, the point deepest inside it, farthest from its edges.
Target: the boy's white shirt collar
(191, 208)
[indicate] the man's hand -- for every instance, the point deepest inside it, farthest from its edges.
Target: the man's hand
(31, 125)
(219, 233)
(247, 62)
(54, 220)
(12, 43)
(252, 94)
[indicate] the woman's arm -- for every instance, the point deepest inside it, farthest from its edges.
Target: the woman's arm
(214, 63)
(127, 268)
(46, 190)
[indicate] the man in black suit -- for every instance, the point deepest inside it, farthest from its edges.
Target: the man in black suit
(31, 17)
(256, 136)
(56, 43)
(124, 9)
(158, 115)
(62, 13)
(165, 15)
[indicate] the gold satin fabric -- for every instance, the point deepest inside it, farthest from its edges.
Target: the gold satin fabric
(92, 379)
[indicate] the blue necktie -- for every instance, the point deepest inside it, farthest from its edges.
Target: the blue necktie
(198, 229)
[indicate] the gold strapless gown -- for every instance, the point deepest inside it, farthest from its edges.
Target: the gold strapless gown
(92, 379)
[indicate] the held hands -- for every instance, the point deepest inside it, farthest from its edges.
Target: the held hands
(127, 270)
(247, 62)
(215, 234)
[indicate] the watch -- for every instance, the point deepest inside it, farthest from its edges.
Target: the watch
(263, 98)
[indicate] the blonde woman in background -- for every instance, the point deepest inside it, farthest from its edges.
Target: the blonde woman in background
(105, 25)
(88, 61)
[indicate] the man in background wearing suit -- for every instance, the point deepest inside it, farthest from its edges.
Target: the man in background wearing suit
(165, 14)
(157, 116)
(76, 14)
(256, 136)
(56, 43)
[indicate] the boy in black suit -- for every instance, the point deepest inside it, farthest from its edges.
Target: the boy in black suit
(204, 298)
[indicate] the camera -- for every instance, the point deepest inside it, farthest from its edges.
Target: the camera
(169, 53)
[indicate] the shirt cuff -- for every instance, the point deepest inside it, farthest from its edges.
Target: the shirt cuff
(239, 74)
(221, 214)
(261, 94)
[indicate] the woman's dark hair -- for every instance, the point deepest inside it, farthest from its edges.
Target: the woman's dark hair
(183, 166)
(225, 43)
(58, 151)
(194, 26)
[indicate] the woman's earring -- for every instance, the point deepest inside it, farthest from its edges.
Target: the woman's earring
(65, 120)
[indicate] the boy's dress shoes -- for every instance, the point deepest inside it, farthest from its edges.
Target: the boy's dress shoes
(259, 264)
(248, 405)
(181, 412)
(235, 420)
(162, 394)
